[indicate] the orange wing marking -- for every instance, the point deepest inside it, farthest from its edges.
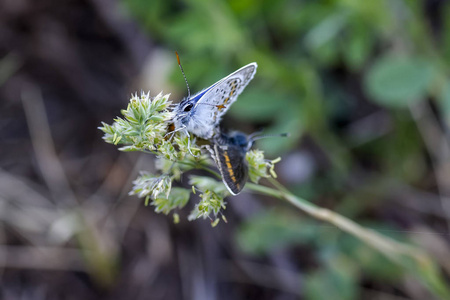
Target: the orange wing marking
(230, 168)
(222, 106)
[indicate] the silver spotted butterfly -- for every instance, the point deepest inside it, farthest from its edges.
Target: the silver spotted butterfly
(201, 113)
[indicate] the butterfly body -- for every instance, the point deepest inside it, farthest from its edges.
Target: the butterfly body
(201, 113)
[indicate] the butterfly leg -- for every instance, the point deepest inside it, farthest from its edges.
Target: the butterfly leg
(187, 133)
(189, 145)
(173, 132)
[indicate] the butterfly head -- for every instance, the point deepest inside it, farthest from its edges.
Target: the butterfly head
(244, 141)
(240, 140)
(182, 112)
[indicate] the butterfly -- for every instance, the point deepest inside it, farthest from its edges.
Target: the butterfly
(201, 113)
(229, 151)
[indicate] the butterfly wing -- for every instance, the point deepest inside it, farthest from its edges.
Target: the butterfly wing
(213, 102)
(232, 166)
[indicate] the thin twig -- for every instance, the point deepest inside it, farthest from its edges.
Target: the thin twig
(51, 169)
(438, 149)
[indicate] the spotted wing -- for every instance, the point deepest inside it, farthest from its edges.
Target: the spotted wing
(232, 166)
(213, 102)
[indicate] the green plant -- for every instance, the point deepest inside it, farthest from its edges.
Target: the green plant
(145, 128)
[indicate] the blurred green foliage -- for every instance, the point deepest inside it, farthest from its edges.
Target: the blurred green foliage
(323, 66)
(343, 257)
(398, 81)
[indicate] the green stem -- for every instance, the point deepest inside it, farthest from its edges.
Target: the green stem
(217, 175)
(201, 167)
(407, 256)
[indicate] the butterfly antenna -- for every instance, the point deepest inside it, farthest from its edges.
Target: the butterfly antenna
(254, 138)
(182, 71)
(250, 137)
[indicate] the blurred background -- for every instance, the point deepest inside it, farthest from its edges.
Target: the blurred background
(362, 87)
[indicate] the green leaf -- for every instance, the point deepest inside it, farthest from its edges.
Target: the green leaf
(397, 81)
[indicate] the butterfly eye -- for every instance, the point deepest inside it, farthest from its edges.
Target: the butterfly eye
(188, 107)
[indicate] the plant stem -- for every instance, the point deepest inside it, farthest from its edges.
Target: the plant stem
(201, 167)
(409, 257)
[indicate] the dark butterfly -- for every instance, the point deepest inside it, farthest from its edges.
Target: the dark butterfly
(228, 152)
